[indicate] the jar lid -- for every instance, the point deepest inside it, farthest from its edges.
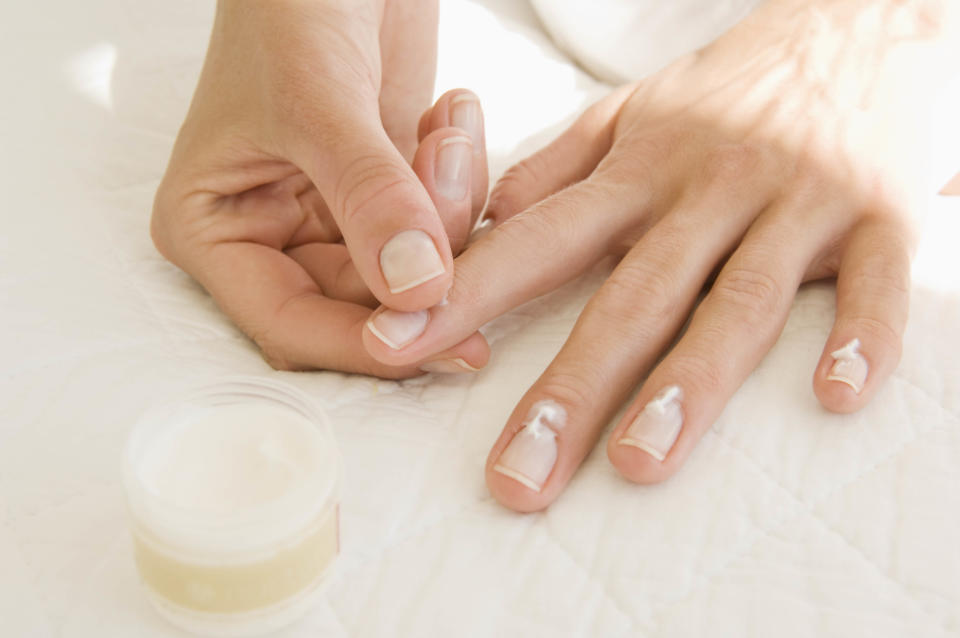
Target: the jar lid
(230, 470)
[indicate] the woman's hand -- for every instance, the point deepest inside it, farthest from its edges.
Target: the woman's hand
(788, 150)
(290, 194)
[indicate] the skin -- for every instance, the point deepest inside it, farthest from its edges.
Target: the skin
(738, 172)
(308, 145)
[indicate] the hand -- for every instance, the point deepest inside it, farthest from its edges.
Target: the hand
(290, 194)
(786, 151)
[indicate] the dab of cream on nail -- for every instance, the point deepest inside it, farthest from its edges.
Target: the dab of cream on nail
(658, 425)
(531, 454)
(850, 367)
(233, 507)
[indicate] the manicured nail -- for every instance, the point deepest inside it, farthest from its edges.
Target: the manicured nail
(409, 259)
(849, 366)
(397, 329)
(465, 114)
(657, 426)
(531, 455)
(448, 366)
(452, 168)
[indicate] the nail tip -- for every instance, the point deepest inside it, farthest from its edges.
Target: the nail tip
(454, 139)
(416, 282)
(517, 476)
(646, 447)
(457, 366)
(845, 381)
(463, 97)
(466, 366)
(379, 335)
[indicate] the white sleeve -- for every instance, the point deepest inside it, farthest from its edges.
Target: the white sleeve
(622, 40)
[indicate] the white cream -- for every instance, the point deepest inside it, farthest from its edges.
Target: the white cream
(656, 428)
(531, 454)
(233, 500)
(230, 458)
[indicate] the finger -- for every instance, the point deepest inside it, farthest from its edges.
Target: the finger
(444, 164)
(570, 158)
(408, 51)
(389, 224)
(529, 255)
(461, 109)
(275, 302)
(736, 324)
(873, 291)
(626, 325)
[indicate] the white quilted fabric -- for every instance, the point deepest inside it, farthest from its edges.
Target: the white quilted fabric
(787, 521)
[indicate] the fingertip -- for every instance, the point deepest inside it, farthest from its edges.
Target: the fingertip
(417, 270)
(837, 395)
(469, 356)
(657, 433)
(443, 162)
(512, 493)
(637, 462)
(847, 374)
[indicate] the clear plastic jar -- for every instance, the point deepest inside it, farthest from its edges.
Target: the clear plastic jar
(233, 495)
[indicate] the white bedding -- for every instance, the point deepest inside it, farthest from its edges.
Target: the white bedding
(786, 521)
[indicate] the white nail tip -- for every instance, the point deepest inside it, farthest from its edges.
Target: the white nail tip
(448, 366)
(531, 454)
(517, 476)
(454, 139)
(409, 259)
(397, 329)
(656, 428)
(850, 367)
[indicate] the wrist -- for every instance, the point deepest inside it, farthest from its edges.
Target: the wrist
(857, 50)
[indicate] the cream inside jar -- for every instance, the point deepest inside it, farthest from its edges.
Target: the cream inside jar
(233, 495)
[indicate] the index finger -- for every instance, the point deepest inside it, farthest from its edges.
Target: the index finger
(525, 257)
(275, 302)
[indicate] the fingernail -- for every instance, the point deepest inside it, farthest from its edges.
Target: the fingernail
(657, 426)
(448, 366)
(849, 366)
(397, 329)
(465, 114)
(531, 455)
(409, 259)
(452, 168)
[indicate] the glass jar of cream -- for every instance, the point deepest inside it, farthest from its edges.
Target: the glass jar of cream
(233, 497)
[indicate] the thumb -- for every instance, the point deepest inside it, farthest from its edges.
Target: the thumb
(389, 224)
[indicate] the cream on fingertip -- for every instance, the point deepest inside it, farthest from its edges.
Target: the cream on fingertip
(849, 366)
(656, 428)
(531, 454)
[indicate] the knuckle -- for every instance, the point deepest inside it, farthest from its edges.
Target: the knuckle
(507, 198)
(573, 391)
(639, 292)
(730, 163)
(881, 278)
(365, 178)
(698, 371)
(751, 294)
(879, 331)
(631, 178)
(162, 226)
